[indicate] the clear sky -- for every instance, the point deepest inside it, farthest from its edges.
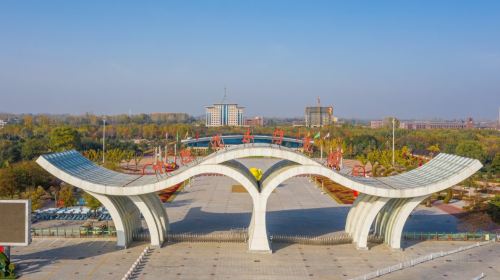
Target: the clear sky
(369, 59)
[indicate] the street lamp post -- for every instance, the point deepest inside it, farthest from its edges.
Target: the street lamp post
(103, 140)
(393, 129)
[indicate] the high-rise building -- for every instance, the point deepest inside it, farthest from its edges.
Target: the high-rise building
(318, 116)
(2, 123)
(224, 114)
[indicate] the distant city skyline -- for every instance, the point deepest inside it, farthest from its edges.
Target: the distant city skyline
(368, 59)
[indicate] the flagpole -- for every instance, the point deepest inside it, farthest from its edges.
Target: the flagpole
(321, 148)
(175, 146)
(103, 140)
(393, 125)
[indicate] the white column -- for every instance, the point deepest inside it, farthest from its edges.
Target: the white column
(361, 236)
(352, 212)
(394, 212)
(257, 233)
(399, 222)
(364, 206)
(147, 211)
(132, 215)
(356, 212)
(382, 217)
(153, 202)
(161, 211)
(122, 215)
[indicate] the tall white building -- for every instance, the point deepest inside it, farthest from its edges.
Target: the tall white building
(319, 116)
(224, 114)
(2, 123)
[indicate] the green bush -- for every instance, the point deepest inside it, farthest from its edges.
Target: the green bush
(494, 209)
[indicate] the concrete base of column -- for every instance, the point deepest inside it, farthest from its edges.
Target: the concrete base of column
(362, 248)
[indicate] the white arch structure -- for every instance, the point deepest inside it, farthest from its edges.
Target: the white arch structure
(384, 203)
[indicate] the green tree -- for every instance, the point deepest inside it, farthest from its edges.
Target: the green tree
(471, 149)
(33, 148)
(128, 156)
(433, 149)
(495, 165)
(36, 197)
(8, 186)
(30, 175)
(138, 156)
(10, 152)
(64, 138)
(93, 155)
(363, 160)
(449, 196)
(91, 202)
(22, 176)
(494, 208)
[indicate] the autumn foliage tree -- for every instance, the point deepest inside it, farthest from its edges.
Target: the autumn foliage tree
(66, 195)
(64, 138)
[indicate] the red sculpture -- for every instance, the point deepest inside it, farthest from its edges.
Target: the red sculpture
(186, 156)
(216, 142)
(278, 136)
(248, 138)
(158, 165)
(334, 160)
(359, 170)
(307, 145)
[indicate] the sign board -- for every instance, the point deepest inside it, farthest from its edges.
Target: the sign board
(15, 222)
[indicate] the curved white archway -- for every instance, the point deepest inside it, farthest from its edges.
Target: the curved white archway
(393, 197)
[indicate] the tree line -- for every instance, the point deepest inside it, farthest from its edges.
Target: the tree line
(22, 143)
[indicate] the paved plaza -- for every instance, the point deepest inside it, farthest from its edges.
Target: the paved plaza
(297, 207)
(231, 261)
(51, 258)
(99, 259)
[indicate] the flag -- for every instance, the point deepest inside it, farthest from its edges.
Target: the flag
(327, 135)
(187, 134)
(318, 135)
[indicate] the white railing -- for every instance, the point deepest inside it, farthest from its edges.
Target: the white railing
(340, 238)
(418, 260)
(133, 269)
(480, 276)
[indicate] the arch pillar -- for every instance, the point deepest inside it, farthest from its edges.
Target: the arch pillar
(360, 236)
(148, 211)
(124, 214)
(392, 215)
(383, 216)
(395, 229)
(363, 208)
(258, 240)
(162, 213)
(354, 212)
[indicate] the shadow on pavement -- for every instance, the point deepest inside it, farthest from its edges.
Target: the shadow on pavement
(33, 262)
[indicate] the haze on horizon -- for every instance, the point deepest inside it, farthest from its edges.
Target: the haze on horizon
(369, 59)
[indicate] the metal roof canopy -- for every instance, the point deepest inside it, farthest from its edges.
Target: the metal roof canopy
(442, 169)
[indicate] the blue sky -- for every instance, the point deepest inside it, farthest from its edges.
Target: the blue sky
(369, 59)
